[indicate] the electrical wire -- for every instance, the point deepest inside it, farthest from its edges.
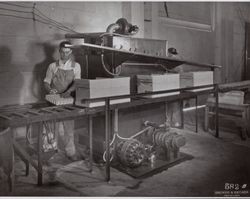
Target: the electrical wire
(52, 20)
(16, 16)
(106, 70)
(17, 5)
(35, 11)
(40, 21)
(111, 151)
(34, 8)
(29, 18)
(123, 138)
(52, 24)
(166, 9)
(7, 9)
(104, 154)
(140, 132)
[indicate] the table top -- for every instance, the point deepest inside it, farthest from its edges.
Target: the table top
(21, 115)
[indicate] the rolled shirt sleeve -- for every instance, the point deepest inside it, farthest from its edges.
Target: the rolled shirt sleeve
(49, 74)
(77, 71)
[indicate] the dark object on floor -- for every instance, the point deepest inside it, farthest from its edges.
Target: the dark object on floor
(148, 169)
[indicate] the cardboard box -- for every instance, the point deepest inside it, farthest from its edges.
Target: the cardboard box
(87, 89)
(232, 97)
(198, 78)
(158, 82)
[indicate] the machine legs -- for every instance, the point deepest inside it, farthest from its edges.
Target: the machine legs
(216, 111)
(196, 114)
(90, 119)
(107, 138)
(11, 176)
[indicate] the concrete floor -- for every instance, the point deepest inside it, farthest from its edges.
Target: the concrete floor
(215, 163)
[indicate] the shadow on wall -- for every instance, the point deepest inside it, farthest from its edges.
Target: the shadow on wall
(11, 79)
(79, 57)
(39, 71)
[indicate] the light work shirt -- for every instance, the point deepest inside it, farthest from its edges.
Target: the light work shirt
(53, 67)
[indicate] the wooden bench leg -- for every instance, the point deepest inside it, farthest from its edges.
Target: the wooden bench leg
(11, 175)
(182, 114)
(248, 123)
(244, 125)
(24, 157)
(243, 133)
(11, 181)
(90, 120)
(206, 118)
(27, 168)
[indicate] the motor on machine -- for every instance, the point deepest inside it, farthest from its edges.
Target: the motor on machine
(121, 26)
(153, 147)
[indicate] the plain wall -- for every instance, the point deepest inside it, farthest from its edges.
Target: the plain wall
(27, 46)
(223, 46)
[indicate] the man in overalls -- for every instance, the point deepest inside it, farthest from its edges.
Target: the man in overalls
(59, 79)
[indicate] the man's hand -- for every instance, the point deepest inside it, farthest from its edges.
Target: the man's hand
(65, 94)
(53, 91)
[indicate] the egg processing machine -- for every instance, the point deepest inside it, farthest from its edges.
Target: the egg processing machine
(117, 64)
(130, 80)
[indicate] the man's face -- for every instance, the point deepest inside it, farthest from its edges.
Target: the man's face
(65, 53)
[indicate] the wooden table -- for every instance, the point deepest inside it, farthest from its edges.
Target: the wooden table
(37, 113)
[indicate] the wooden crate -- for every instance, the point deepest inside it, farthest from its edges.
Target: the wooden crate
(158, 82)
(198, 78)
(87, 89)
